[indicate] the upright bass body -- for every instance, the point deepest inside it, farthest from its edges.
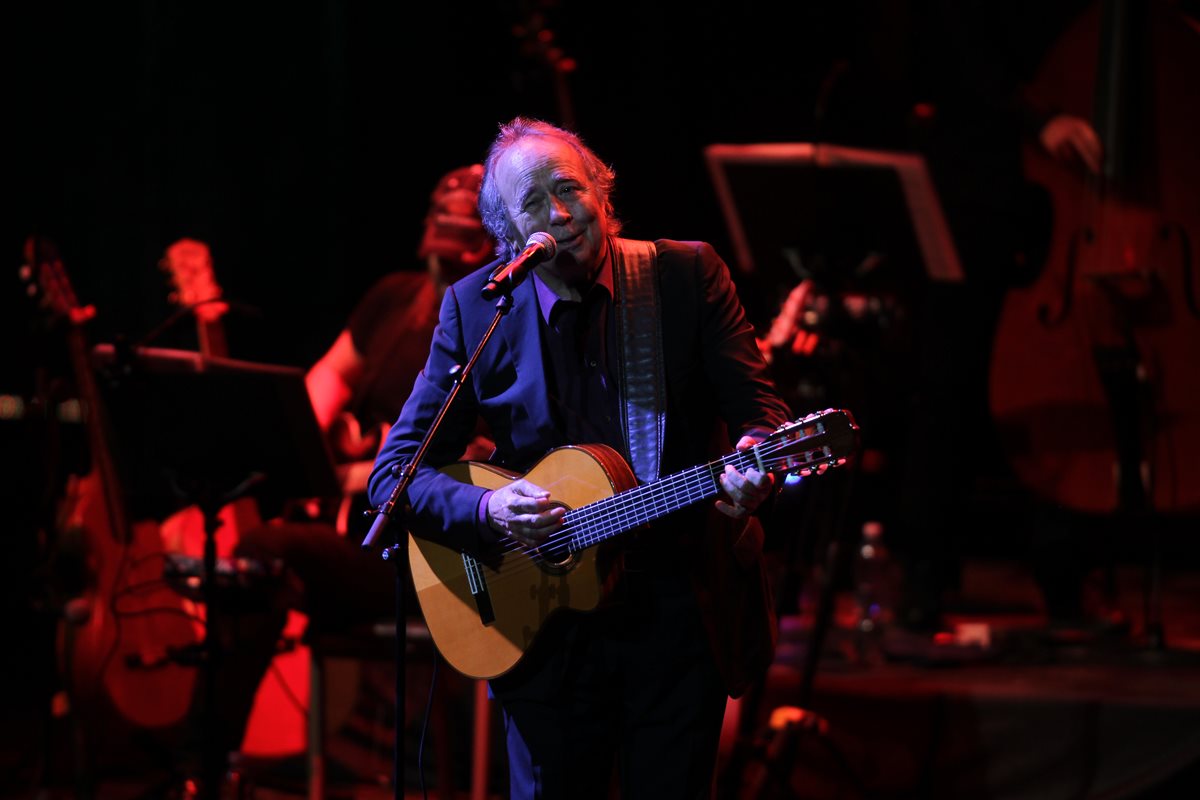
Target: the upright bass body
(1095, 389)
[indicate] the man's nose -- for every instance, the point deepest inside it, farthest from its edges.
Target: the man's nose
(559, 209)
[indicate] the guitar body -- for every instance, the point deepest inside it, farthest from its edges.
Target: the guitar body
(125, 626)
(1061, 429)
(524, 590)
(484, 612)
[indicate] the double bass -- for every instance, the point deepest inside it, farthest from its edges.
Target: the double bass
(1095, 388)
(119, 634)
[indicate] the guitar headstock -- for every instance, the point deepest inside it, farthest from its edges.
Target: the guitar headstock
(539, 41)
(46, 282)
(828, 437)
(189, 264)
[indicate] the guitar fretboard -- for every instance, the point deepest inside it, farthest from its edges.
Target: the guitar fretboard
(594, 523)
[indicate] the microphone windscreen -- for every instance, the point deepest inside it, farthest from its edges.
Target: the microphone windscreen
(545, 240)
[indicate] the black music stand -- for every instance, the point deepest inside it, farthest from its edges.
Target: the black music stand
(859, 223)
(182, 422)
(788, 200)
(189, 430)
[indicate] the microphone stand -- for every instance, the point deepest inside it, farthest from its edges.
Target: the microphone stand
(395, 552)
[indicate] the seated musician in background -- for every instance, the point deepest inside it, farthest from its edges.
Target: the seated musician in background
(355, 386)
(642, 681)
(370, 368)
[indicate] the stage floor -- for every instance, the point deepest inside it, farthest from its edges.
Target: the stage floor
(1034, 714)
(1038, 712)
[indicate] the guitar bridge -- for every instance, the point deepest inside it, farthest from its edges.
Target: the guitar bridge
(479, 590)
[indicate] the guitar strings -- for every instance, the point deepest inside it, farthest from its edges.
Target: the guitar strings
(579, 523)
(602, 509)
(582, 521)
(702, 478)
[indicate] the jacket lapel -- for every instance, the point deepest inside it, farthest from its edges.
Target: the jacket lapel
(533, 428)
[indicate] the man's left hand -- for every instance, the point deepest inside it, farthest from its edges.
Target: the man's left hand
(744, 492)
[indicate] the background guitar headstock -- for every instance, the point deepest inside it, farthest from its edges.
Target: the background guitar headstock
(46, 282)
(540, 43)
(188, 263)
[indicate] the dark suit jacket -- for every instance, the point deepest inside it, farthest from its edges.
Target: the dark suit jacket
(717, 390)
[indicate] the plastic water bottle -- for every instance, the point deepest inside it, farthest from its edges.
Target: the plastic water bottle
(873, 588)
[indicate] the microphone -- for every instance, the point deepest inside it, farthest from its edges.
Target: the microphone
(540, 247)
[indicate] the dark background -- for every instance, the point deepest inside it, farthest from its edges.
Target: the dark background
(301, 140)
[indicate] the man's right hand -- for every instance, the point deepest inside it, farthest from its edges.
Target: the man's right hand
(524, 513)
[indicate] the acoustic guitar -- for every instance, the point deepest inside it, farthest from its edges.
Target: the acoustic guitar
(116, 642)
(484, 612)
(189, 266)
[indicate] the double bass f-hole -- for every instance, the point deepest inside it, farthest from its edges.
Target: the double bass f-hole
(1137, 288)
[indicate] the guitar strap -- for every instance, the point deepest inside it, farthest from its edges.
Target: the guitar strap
(639, 333)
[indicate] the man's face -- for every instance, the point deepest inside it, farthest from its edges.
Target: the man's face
(545, 187)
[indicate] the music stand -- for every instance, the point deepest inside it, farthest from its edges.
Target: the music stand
(856, 222)
(189, 430)
(181, 421)
(784, 198)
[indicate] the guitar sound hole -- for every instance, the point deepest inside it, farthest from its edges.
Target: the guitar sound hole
(556, 560)
(555, 556)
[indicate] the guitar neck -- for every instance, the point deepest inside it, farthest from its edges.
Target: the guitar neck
(211, 336)
(604, 519)
(99, 439)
